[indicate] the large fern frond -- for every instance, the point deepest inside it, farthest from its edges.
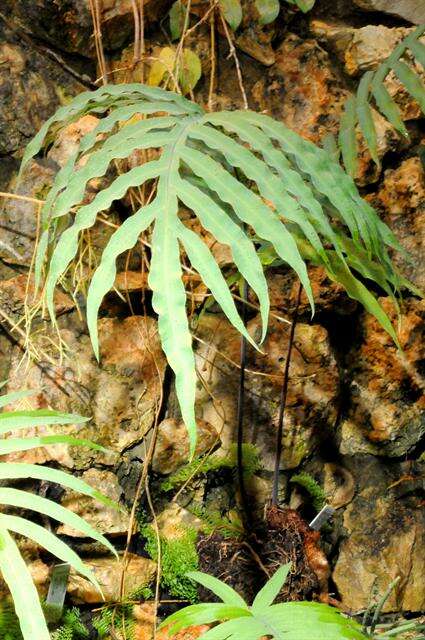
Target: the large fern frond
(371, 89)
(242, 174)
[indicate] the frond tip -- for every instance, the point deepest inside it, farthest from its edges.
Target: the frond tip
(243, 175)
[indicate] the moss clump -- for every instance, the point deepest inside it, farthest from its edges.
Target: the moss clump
(312, 487)
(202, 465)
(178, 556)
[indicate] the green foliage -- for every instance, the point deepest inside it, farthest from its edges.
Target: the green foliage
(72, 627)
(202, 465)
(312, 487)
(120, 615)
(12, 565)
(9, 623)
(285, 621)
(358, 110)
(213, 521)
(178, 557)
(230, 169)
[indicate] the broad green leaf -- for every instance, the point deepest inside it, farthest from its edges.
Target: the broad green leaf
(268, 10)
(103, 279)
(190, 71)
(347, 136)
(22, 470)
(271, 589)
(228, 595)
(177, 17)
(365, 117)
(13, 445)
(14, 420)
(25, 500)
(24, 594)
(14, 396)
(307, 620)
(49, 541)
(232, 12)
(411, 81)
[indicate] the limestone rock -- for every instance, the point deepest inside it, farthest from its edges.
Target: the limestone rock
(313, 389)
(68, 25)
(19, 216)
(401, 201)
(303, 89)
(139, 573)
(410, 10)
(104, 519)
(385, 539)
(32, 86)
(172, 444)
(387, 404)
(121, 395)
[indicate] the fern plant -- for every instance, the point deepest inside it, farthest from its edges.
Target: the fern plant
(12, 565)
(239, 173)
(284, 621)
(358, 110)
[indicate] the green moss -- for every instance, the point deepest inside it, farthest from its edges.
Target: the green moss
(178, 556)
(202, 465)
(312, 487)
(213, 521)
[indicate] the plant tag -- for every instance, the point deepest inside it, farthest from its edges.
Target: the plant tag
(57, 591)
(322, 517)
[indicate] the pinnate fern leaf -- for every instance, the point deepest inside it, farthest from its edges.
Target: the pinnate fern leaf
(242, 174)
(358, 109)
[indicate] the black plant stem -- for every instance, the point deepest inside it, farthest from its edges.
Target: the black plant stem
(282, 406)
(241, 406)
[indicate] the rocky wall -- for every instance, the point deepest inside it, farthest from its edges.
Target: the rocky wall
(356, 410)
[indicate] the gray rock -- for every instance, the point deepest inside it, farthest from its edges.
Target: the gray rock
(411, 10)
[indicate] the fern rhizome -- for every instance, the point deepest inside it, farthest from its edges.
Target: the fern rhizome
(240, 173)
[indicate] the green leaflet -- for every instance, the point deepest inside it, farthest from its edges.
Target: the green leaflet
(15, 470)
(12, 445)
(411, 81)
(14, 420)
(364, 115)
(205, 264)
(24, 500)
(270, 591)
(238, 172)
(347, 136)
(14, 396)
(232, 12)
(268, 10)
(228, 595)
(372, 86)
(24, 594)
(49, 541)
(215, 220)
(177, 17)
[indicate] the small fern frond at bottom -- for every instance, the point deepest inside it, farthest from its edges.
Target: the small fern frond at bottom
(358, 110)
(239, 173)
